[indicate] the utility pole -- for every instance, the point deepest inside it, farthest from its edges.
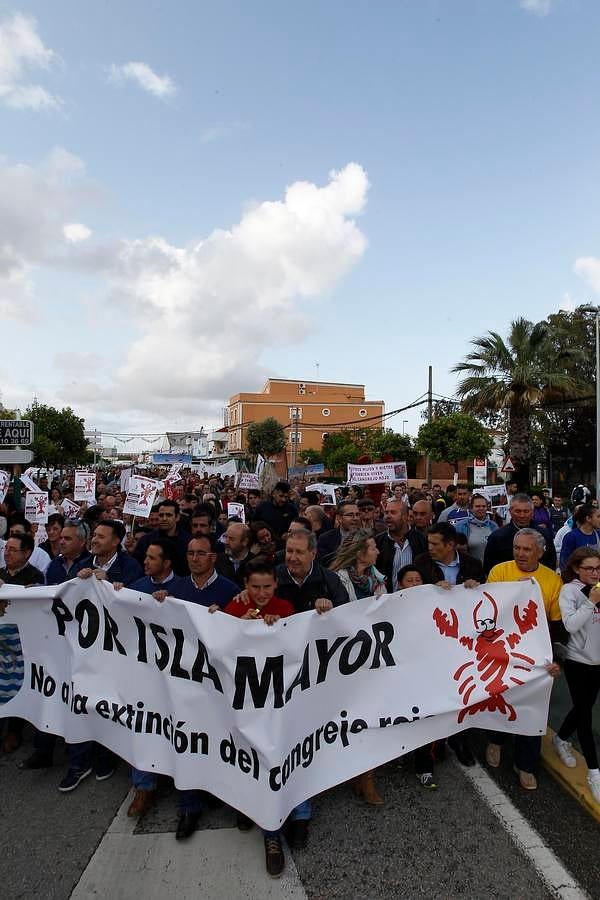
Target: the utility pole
(295, 416)
(429, 418)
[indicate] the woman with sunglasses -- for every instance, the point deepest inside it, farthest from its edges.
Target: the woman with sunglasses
(580, 609)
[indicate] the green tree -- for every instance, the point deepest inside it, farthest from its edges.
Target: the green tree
(339, 449)
(58, 435)
(517, 376)
(400, 447)
(266, 437)
(310, 457)
(453, 438)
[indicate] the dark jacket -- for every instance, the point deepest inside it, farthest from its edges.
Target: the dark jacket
(26, 577)
(387, 552)
(499, 547)
(276, 517)
(56, 572)
(327, 545)
(320, 583)
(181, 541)
(225, 567)
(469, 567)
(125, 569)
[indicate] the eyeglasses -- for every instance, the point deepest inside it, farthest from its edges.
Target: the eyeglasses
(589, 568)
(199, 553)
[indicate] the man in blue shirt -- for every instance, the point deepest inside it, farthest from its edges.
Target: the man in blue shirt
(158, 569)
(204, 585)
(74, 554)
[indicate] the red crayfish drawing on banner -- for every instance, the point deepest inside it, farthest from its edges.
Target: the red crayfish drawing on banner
(494, 659)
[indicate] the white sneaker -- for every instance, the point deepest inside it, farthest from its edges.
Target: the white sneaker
(565, 752)
(594, 783)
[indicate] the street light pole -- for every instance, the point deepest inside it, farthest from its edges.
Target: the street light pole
(597, 403)
(592, 307)
(404, 422)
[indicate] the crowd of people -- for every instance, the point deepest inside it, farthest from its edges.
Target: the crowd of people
(291, 553)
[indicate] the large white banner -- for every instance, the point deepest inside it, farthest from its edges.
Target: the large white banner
(265, 717)
(376, 473)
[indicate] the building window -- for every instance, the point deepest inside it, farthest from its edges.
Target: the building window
(362, 413)
(326, 412)
(295, 437)
(295, 411)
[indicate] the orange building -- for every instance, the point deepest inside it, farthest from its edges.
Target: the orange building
(307, 409)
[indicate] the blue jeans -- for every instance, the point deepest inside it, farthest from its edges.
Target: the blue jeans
(527, 749)
(143, 781)
(90, 755)
(300, 813)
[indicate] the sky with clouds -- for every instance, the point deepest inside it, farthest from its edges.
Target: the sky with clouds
(196, 196)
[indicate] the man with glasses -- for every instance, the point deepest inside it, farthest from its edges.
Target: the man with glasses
(39, 559)
(368, 516)
(348, 521)
(207, 588)
(73, 553)
(204, 585)
(72, 558)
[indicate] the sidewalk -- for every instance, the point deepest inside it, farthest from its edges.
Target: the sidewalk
(574, 780)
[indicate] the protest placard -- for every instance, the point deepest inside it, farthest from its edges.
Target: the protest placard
(326, 491)
(265, 717)
(71, 510)
(36, 507)
(4, 483)
(495, 494)
(140, 496)
(124, 479)
(85, 487)
(27, 483)
(377, 473)
(248, 481)
(236, 510)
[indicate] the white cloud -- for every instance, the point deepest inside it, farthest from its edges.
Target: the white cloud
(202, 314)
(193, 320)
(21, 48)
(76, 232)
(161, 86)
(588, 267)
(35, 201)
(537, 7)
(219, 130)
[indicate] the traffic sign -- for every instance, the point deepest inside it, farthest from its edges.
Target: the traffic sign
(15, 432)
(508, 465)
(17, 457)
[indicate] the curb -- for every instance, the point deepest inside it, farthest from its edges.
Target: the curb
(574, 780)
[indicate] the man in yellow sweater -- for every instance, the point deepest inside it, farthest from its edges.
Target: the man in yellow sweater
(528, 549)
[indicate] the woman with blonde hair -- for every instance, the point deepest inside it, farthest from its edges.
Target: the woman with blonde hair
(355, 566)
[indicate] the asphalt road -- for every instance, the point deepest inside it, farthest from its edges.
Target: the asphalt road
(444, 843)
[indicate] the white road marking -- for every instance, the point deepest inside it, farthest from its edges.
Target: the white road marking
(558, 880)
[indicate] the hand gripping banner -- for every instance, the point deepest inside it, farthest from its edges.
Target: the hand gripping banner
(267, 716)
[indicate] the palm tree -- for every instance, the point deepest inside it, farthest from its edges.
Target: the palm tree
(517, 376)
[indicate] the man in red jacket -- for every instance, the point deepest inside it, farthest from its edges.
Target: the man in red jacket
(261, 583)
